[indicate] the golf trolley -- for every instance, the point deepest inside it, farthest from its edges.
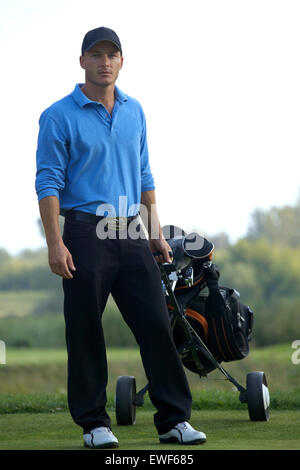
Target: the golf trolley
(188, 271)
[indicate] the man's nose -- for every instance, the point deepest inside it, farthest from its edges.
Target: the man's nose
(104, 60)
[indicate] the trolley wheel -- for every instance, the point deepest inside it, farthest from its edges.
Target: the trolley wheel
(258, 396)
(125, 400)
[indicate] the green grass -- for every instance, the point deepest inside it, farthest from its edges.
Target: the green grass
(28, 356)
(204, 400)
(19, 303)
(44, 370)
(34, 380)
(33, 356)
(225, 430)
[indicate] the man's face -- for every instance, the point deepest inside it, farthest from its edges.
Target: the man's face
(102, 63)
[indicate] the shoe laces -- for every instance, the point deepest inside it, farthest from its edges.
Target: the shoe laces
(182, 426)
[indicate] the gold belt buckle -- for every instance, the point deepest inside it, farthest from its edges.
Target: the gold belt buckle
(117, 223)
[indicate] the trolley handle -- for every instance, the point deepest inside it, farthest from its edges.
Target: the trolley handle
(158, 253)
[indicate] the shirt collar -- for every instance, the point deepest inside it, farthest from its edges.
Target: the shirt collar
(120, 95)
(82, 100)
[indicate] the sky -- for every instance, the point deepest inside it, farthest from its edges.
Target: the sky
(219, 84)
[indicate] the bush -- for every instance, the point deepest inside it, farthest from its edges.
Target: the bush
(48, 330)
(33, 331)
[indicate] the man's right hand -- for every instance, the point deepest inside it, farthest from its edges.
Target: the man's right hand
(60, 260)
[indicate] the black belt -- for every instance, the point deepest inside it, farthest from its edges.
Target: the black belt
(94, 219)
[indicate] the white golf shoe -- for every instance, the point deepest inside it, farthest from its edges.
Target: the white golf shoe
(183, 433)
(100, 438)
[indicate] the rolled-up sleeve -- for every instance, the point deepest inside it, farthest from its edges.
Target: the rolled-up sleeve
(147, 180)
(51, 158)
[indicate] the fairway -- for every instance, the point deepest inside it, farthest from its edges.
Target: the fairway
(225, 430)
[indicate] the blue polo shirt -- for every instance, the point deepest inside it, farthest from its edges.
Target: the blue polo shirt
(90, 160)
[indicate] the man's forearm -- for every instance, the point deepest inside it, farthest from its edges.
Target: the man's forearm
(49, 210)
(149, 214)
(159, 247)
(60, 259)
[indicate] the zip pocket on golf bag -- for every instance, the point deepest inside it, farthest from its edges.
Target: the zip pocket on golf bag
(230, 324)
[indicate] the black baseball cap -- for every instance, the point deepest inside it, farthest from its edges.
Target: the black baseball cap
(100, 34)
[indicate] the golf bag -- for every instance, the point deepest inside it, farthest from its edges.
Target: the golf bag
(219, 318)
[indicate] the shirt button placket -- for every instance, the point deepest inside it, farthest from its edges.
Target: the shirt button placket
(104, 115)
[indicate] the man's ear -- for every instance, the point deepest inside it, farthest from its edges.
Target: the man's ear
(82, 61)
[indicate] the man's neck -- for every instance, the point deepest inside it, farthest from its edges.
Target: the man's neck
(102, 94)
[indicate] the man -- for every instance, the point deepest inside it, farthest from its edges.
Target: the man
(92, 153)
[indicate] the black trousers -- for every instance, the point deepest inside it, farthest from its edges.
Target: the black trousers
(127, 269)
